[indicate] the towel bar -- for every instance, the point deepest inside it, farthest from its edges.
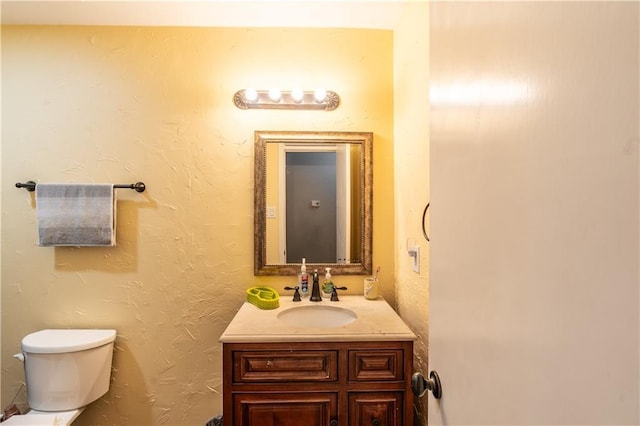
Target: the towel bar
(138, 186)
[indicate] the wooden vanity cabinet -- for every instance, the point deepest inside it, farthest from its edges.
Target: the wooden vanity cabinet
(318, 383)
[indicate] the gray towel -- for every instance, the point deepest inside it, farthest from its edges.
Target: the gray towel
(76, 214)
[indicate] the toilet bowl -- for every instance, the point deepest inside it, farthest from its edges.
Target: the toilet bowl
(65, 370)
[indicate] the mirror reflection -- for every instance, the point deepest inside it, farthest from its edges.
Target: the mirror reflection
(313, 201)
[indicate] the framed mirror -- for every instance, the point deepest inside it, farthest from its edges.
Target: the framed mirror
(313, 200)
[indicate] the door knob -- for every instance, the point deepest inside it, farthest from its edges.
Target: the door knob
(420, 385)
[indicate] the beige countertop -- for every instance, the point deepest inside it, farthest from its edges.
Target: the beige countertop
(376, 321)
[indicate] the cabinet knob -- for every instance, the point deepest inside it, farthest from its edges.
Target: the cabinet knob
(333, 422)
(375, 422)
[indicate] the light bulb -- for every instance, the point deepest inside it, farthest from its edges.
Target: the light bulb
(320, 95)
(297, 95)
(274, 95)
(250, 95)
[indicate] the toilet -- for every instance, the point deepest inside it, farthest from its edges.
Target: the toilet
(65, 370)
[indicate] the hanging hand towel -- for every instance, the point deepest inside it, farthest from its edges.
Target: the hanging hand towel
(76, 214)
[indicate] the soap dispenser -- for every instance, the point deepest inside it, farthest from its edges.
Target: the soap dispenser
(327, 284)
(303, 279)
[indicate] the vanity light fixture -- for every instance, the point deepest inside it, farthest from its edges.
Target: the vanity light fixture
(320, 95)
(283, 99)
(297, 95)
(275, 95)
(250, 95)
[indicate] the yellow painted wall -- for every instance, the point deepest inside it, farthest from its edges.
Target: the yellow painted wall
(116, 104)
(411, 142)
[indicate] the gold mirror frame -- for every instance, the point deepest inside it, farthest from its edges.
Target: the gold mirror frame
(365, 140)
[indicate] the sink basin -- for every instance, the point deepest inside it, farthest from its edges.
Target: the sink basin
(317, 316)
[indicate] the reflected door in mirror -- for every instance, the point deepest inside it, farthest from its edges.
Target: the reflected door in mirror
(311, 207)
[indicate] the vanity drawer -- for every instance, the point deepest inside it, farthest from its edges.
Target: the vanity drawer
(376, 365)
(285, 366)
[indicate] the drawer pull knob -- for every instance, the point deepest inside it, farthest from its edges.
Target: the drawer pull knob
(375, 422)
(333, 422)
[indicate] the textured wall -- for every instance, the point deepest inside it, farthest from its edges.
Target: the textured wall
(110, 104)
(411, 67)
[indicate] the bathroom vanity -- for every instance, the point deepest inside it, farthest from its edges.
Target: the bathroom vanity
(345, 363)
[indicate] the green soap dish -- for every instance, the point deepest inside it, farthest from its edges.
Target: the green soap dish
(263, 297)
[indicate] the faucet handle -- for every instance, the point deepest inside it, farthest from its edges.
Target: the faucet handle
(334, 293)
(296, 295)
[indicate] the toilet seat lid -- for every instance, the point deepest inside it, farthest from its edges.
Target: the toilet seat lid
(66, 340)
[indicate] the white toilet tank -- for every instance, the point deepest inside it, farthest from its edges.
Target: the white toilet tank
(67, 369)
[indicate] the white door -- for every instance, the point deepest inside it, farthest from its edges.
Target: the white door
(534, 220)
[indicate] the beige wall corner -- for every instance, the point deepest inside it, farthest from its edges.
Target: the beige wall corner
(411, 115)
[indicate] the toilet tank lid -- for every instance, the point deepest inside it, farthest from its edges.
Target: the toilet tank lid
(66, 340)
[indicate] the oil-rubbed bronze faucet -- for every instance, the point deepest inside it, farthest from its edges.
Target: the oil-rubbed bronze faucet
(315, 290)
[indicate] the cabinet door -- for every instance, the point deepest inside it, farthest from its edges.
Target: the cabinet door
(285, 409)
(376, 409)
